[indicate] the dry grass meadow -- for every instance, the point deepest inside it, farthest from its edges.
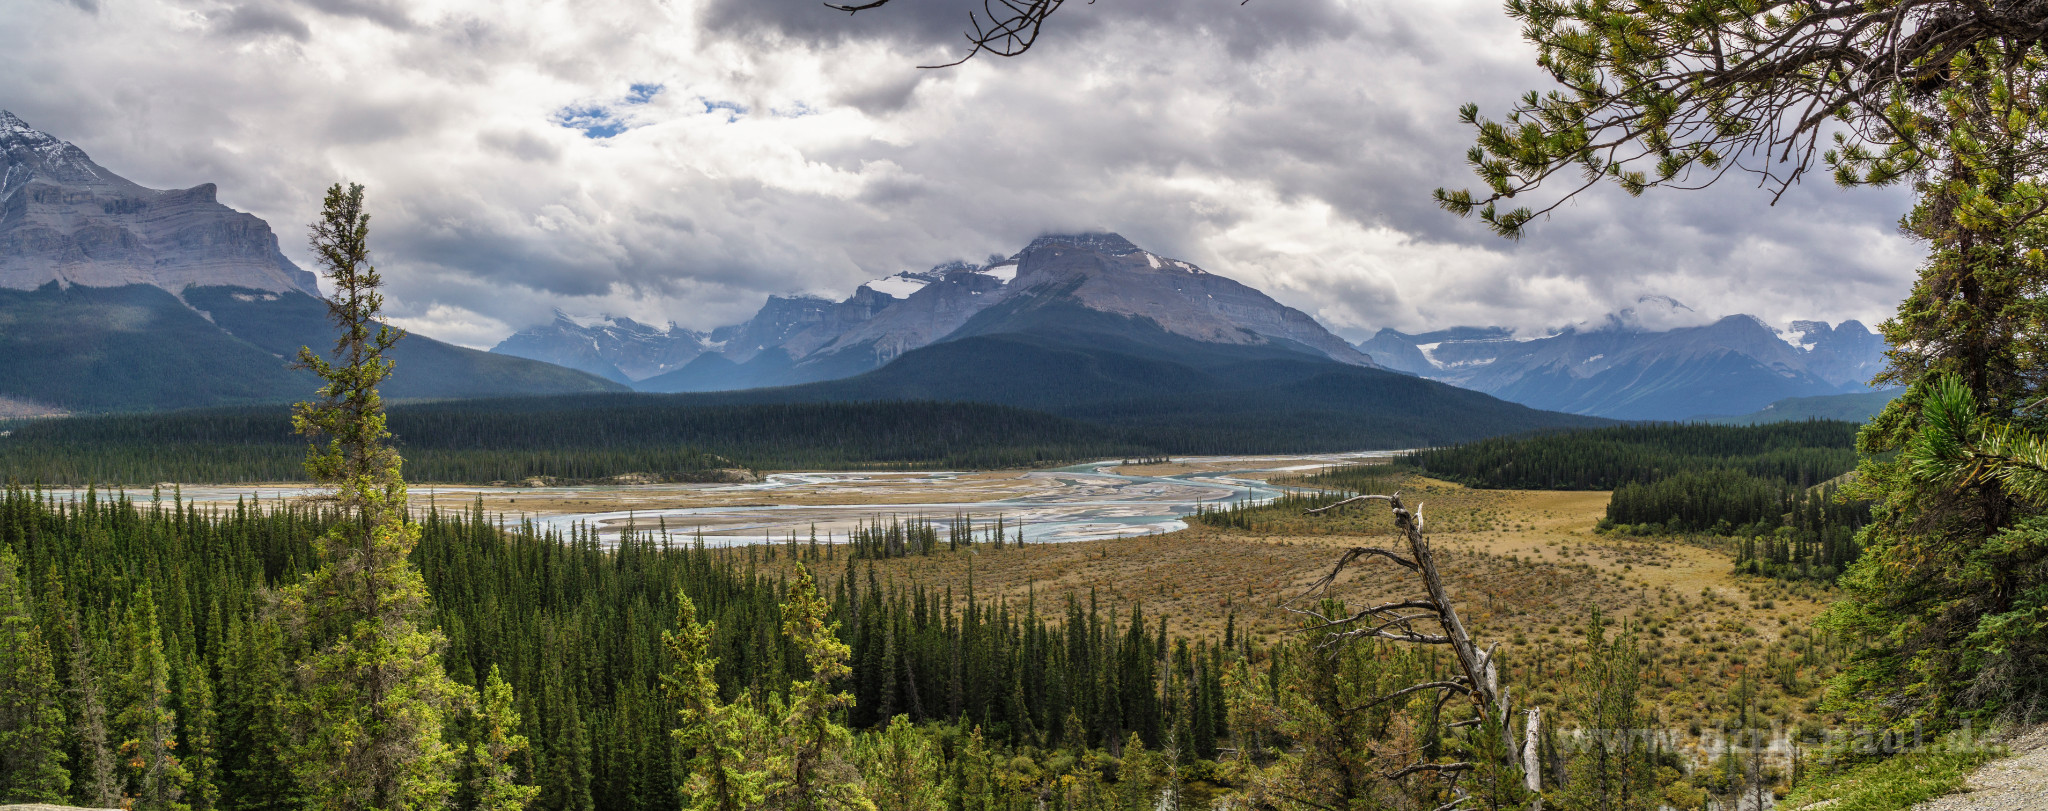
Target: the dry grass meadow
(1526, 567)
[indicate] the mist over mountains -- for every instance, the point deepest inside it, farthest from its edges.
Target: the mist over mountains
(1624, 367)
(118, 297)
(806, 339)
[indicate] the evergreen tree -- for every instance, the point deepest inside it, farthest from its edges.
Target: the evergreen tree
(565, 781)
(373, 697)
(146, 725)
(196, 723)
(900, 768)
(31, 715)
(713, 734)
(1952, 570)
(811, 772)
(255, 767)
(494, 748)
(1611, 769)
(98, 782)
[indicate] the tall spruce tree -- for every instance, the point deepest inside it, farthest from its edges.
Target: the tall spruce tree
(255, 770)
(31, 715)
(494, 749)
(719, 772)
(812, 771)
(373, 698)
(1944, 572)
(146, 725)
(97, 781)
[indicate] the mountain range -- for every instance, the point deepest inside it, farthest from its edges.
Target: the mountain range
(118, 297)
(1625, 368)
(804, 339)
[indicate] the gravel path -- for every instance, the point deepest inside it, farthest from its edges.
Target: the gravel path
(2018, 783)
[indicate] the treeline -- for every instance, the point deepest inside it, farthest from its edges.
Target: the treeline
(573, 438)
(1817, 540)
(1767, 486)
(1261, 516)
(1781, 531)
(1363, 478)
(154, 621)
(1797, 453)
(899, 538)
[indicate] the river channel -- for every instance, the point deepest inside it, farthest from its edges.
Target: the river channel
(1091, 501)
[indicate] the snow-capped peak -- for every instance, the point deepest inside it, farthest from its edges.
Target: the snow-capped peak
(1004, 271)
(26, 150)
(12, 125)
(1796, 335)
(900, 285)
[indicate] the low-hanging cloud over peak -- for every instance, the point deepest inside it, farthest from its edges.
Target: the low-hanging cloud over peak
(680, 161)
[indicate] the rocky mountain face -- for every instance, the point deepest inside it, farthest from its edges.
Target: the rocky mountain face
(804, 339)
(612, 347)
(115, 297)
(66, 219)
(1627, 368)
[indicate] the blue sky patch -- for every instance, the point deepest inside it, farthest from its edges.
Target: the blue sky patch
(599, 121)
(643, 93)
(733, 109)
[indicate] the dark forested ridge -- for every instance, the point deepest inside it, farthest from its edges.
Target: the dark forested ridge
(1799, 453)
(564, 438)
(681, 436)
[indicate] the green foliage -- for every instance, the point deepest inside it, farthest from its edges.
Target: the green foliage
(901, 768)
(1702, 501)
(1326, 732)
(493, 751)
(1264, 516)
(255, 763)
(145, 724)
(1611, 768)
(720, 771)
(1678, 94)
(372, 698)
(1893, 784)
(31, 718)
(810, 769)
(1781, 531)
(1953, 575)
(1797, 453)
(96, 781)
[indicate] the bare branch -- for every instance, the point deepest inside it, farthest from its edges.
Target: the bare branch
(1435, 685)
(1439, 768)
(858, 8)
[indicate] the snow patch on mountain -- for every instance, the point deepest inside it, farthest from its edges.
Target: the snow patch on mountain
(900, 285)
(1004, 272)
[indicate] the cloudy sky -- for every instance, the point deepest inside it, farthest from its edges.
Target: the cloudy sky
(679, 160)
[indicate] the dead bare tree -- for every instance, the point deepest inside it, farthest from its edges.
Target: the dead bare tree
(1002, 27)
(1479, 675)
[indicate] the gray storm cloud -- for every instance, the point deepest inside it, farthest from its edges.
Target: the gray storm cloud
(680, 161)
